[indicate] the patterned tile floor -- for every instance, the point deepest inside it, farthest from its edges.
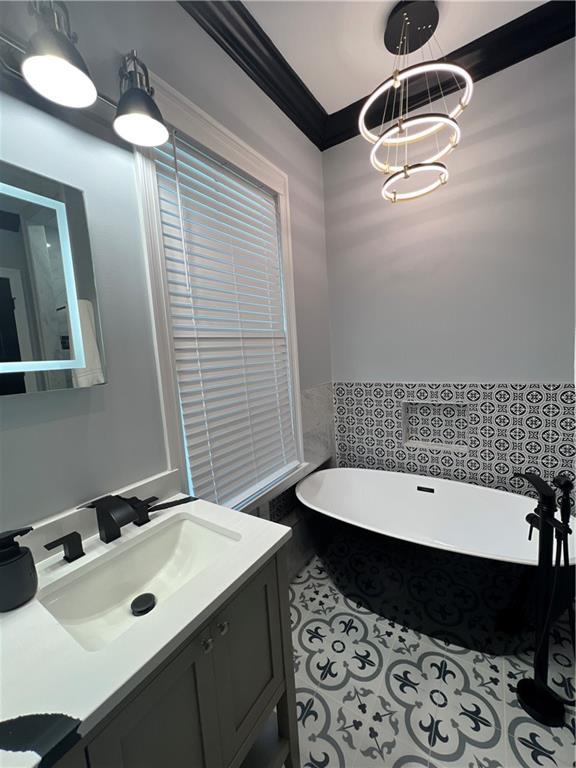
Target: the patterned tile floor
(373, 693)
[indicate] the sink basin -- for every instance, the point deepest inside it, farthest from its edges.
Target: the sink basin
(93, 602)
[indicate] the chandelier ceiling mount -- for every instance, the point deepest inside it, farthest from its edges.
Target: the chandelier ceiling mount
(420, 17)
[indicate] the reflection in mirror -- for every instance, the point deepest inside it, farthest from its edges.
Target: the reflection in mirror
(50, 334)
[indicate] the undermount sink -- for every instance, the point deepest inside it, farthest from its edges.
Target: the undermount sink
(93, 603)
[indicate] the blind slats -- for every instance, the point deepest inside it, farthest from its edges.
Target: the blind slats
(224, 278)
(212, 260)
(222, 229)
(214, 207)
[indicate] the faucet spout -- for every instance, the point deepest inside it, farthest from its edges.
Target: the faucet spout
(546, 495)
(112, 512)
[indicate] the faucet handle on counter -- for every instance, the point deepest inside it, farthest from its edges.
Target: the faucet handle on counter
(72, 543)
(141, 508)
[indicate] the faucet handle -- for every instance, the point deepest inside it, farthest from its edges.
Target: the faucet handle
(534, 521)
(141, 508)
(72, 543)
(563, 483)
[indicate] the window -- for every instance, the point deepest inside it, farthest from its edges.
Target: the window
(227, 305)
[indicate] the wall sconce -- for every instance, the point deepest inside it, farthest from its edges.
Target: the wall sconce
(53, 66)
(138, 119)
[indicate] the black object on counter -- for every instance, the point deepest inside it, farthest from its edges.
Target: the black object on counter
(18, 577)
(50, 735)
(141, 508)
(72, 543)
(169, 504)
(114, 512)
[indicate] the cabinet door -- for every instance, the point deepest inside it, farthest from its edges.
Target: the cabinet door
(247, 658)
(172, 722)
(75, 758)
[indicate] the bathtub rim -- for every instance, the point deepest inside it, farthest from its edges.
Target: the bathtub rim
(426, 543)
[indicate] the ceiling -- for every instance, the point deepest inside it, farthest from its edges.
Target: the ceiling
(337, 47)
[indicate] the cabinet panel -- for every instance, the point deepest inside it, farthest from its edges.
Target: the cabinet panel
(75, 758)
(172, 722)
(247, 658)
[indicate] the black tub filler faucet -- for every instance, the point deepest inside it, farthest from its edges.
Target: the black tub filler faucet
(534, 694)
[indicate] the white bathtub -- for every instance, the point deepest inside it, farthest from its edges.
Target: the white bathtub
(456, 516)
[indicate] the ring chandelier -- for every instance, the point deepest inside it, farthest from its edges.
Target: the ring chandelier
(395, 135)
(439, 169)
(411, 27)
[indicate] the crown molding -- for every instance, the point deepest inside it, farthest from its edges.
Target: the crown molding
(234, 28)
(236, 31)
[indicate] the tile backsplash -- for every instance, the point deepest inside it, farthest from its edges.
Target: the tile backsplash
(476, 433)
(435, 425)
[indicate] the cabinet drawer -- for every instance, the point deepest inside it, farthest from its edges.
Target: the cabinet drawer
(247, 658)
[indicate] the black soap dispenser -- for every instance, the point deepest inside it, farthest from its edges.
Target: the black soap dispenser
(18, 577)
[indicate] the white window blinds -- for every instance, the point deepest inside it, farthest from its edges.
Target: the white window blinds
(224, 275)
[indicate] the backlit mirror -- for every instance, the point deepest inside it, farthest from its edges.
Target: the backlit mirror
(50, 334)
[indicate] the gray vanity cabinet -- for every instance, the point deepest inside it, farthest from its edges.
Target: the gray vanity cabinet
(172, 722)
(247, 659)
(206, 707)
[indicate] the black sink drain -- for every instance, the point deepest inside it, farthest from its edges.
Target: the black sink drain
(143, 604)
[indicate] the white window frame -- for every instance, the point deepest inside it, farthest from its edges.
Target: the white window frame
(184, 115)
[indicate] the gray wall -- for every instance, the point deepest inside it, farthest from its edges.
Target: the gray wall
(176, 49)
(474, 282)
(57, 449)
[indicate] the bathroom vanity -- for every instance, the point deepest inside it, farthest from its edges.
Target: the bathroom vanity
(193, 683)
(205, 706)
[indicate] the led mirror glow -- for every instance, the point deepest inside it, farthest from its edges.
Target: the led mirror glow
(395, 197)
(391, 137)
(418, 69)
(58, 80)
(142, 130)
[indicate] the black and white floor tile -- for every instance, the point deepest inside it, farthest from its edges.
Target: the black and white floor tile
(371, 692)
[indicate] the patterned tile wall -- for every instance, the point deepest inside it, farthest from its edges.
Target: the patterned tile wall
(435, 425)
(487, 431)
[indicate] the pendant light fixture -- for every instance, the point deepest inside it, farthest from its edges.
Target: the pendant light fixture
(410, 147)
(53, 66)
(138, 119)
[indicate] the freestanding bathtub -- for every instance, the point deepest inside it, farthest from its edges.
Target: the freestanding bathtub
(450, 559)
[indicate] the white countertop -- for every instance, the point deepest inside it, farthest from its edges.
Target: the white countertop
(43, 669)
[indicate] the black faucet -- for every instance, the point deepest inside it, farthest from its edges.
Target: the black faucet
(546, 495)
(546, 500)
(565, 485)
(534, 694)
(114, 512)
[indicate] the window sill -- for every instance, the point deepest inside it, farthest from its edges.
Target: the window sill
(302, 471)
